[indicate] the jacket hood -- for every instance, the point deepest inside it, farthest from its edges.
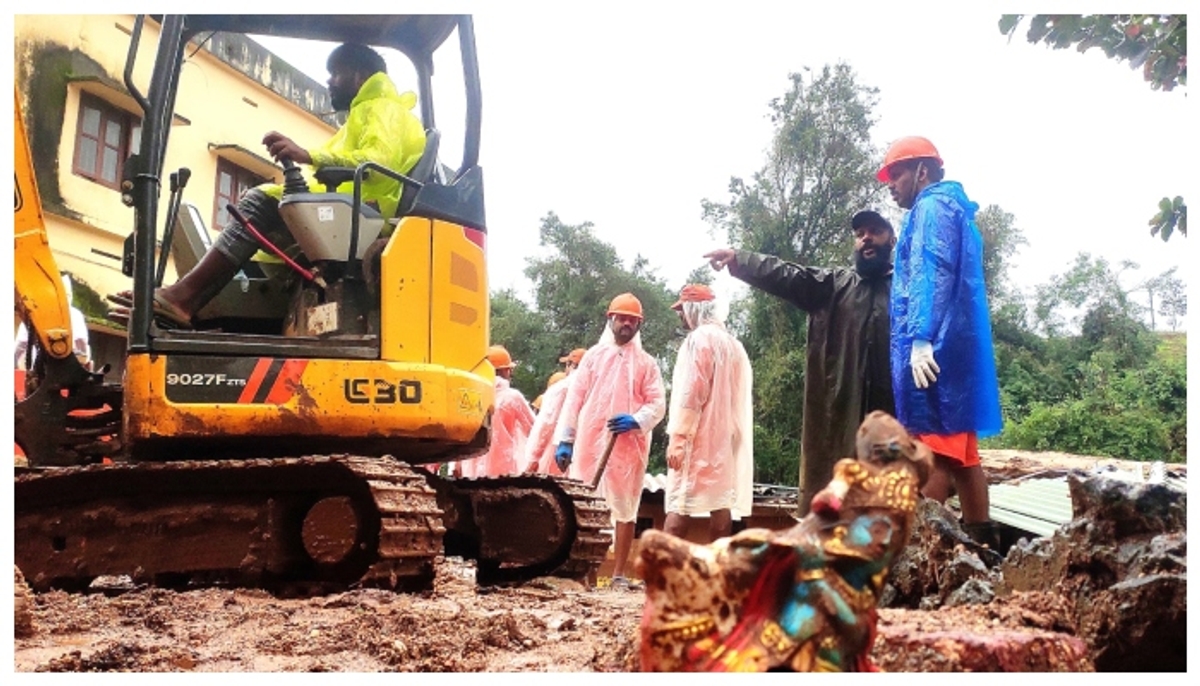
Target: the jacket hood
(951, 191)
(380, 86)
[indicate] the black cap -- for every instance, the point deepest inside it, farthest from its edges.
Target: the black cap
(870, 218)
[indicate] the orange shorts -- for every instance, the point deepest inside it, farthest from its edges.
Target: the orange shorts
(963, 448)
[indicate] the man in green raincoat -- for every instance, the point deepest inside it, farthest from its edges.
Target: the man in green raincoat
(380, 127)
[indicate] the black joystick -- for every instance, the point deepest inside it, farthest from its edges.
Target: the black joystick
(293, 178)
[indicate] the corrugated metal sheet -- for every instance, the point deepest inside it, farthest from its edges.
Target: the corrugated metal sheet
(1039, 506)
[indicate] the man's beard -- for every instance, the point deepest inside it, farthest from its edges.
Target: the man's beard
(878, 265)
(340, 102)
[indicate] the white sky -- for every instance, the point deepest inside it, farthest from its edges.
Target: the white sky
(628, 115)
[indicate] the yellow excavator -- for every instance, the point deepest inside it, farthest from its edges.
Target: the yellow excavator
(279, 443)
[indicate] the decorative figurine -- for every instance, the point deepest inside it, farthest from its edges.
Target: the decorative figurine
(802, 599)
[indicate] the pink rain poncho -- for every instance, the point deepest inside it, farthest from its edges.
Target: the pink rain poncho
(711, 419)
(613, 379)
(511, 422)
(539, 449)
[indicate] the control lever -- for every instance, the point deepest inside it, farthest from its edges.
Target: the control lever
(179, 180)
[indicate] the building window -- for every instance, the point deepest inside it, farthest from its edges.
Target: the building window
(232, 181)
(104, 139)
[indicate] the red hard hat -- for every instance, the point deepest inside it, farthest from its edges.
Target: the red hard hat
(693, 293)
(626, 303)
(907, 148)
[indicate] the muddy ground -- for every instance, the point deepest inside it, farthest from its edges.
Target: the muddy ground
(548, 625)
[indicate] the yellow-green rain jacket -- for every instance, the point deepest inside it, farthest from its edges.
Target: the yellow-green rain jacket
(380, 128)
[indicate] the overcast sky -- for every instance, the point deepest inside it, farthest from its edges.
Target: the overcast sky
(628, 115)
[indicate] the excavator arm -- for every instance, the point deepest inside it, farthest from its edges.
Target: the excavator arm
(71, 417)
(40, 297)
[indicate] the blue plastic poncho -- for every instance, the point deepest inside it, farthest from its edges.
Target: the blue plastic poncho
(938, 295)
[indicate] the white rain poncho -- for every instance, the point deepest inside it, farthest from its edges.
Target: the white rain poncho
(540, 447)
(711, 419)
(511, 422)
(613, 379)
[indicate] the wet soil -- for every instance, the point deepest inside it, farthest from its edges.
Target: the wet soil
(548, 625)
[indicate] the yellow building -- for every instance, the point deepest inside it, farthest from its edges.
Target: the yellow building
(83, 123)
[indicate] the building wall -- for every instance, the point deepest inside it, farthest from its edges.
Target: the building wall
(226, 103)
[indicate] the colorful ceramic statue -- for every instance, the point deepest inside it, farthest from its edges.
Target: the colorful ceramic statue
(801, 599)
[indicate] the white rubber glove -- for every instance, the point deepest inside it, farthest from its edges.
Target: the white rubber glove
(924, 368)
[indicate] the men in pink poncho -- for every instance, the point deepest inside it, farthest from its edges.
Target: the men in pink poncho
(511, 421)
(539, 449)
(710, 453)
(617, 389)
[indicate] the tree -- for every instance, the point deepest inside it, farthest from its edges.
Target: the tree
(1171, 295)
(1089, 299)
(1001, 241)
(576, 282)
(1155, 42)
(820, 170)
(519, 329)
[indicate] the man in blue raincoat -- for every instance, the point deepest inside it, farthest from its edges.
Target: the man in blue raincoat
(380, 127)
(942, 363)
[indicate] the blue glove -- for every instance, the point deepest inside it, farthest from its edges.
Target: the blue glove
(621, 423)
(562, 456)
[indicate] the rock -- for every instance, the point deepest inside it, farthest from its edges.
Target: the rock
(940, 557)
(972, 592)
(1002, 650)
(1121, 564)
(22, 606)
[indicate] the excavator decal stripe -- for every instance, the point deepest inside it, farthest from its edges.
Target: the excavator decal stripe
(260, 396)
(255, 380)
(289, 379)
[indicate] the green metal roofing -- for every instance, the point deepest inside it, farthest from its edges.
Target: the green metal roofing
(1039, 506)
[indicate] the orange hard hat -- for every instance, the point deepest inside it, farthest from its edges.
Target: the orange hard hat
(693, 293)
(555, 378)
(626, 303)
(499, 357)
(574, 356)
(907, 148)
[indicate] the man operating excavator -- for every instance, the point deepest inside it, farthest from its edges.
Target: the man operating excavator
(379, 128)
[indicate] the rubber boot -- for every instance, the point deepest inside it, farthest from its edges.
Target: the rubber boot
(984, 533)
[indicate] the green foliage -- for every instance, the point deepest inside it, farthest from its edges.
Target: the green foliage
(1172, 216)
(1157, 43)
(575, 284)
(1001, 241)
(519, 329)
(1081, 427)
(1099, 382)
(1130, 413)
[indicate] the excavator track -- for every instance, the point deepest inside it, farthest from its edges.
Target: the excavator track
(307, 524)
(525, 526)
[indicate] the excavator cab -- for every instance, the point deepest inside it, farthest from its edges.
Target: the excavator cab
(286, 438)
(386, 359)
